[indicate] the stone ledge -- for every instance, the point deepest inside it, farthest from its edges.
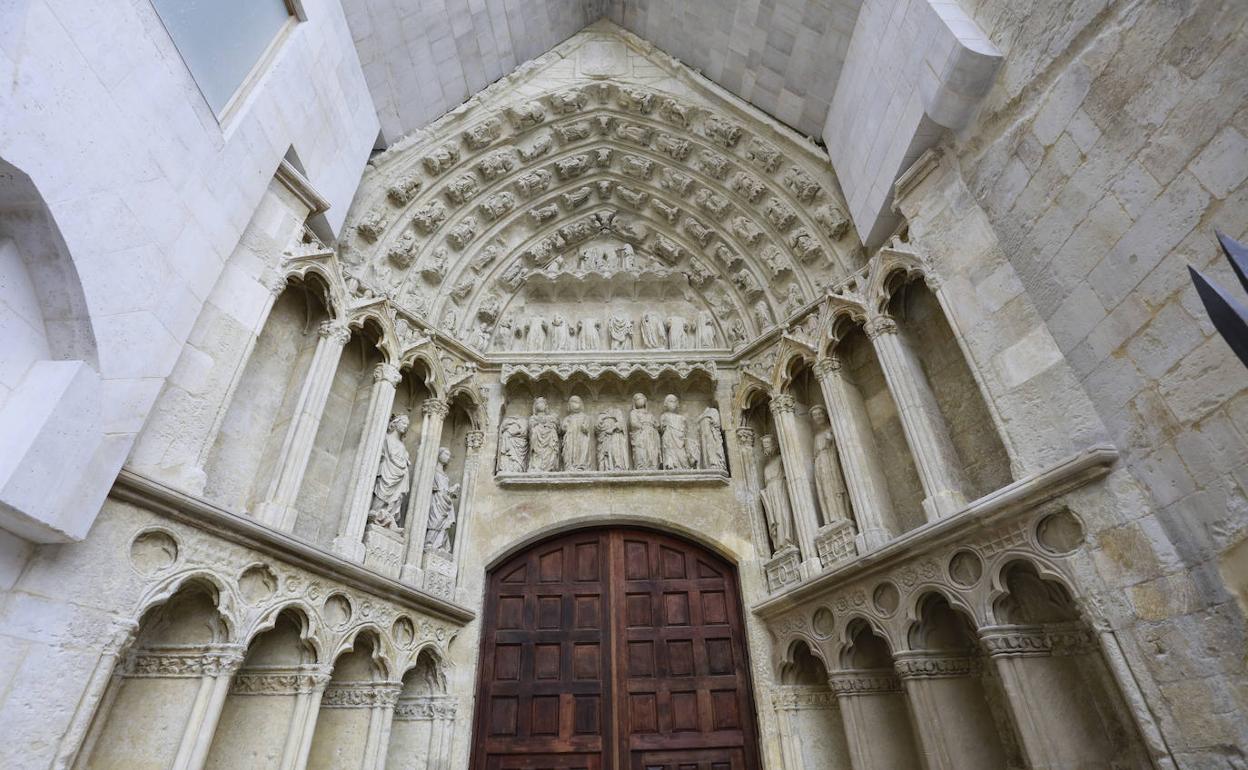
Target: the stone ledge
(1025, 494)
(151, 495)
(576, 478)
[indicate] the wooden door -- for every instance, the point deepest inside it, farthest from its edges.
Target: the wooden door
(614, 649)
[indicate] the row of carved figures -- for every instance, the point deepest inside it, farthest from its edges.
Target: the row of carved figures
(544, 443)
(652, 332)
(392, 489)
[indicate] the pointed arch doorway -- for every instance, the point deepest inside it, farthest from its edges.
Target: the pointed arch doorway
(614, 649)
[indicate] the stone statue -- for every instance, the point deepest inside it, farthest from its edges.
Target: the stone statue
(560, 333)
(513, 445)
(612, 443)
(643, 436)
(678, 333)
(775, 497)
(653, 335)
(829, 483)
(505, 334)
(535, 333)
(711, 440)
(762, 314)
(543, 439)
(674, 441)
(441, 506)
(620, 333)
(706, 330)
(393, 476)
(482, 339)
(627, 257)
(575, 431)
(589, 334)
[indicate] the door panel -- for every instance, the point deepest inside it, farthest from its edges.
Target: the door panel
(614, 649)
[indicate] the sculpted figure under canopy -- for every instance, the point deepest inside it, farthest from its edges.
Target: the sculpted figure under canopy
(441, 506)
(612, 443)
(575, 430)
(678, 333)
(620, 332)
(643, 435)
(706, 330)
(775, 497)
(543, 439)
(513, 445)
(829, 483)
(653, 334)
(393, 472)
(711, 439)
(535, 333)
(589, 334)
(674, 428)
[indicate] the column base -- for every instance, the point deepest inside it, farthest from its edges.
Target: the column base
(943, 504)
(349, 548)
(276, 515)
(871, 539)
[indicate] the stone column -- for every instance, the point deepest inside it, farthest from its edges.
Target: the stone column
(921, 420)
(311, 685)
(797, 479)
(278, 509)
(877, 725)
(215, 667)
(433, 412)
(951, 718)
(381, 718)
(350, 540)
(860, 459)
(748, 465)
(1052, 700)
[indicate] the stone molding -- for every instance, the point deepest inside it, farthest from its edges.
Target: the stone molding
(1054, 640)
(799, 697)
(564, 371)
(361, 695)
(650, 477)
(290, 680)
(848, 684)
(183, 662)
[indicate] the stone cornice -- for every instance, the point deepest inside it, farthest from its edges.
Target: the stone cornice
(151, 495)
(302, 189)
(1025, 494)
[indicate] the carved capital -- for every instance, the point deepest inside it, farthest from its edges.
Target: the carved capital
(388, 372)
(435, 407)
(337, 331)
(927, 665)
(879, 325)
(826, 367)
(474, 440)
(275, 282)
(784, 403)
(745, 436)
(866, 682)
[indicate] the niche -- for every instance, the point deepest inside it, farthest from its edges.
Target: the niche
(244, 457)
(348, 725)
(758, 417)
(811, 724)
(324, 495)
(613, 442)
(923, 326)
(862, 372)
(876, 716)
(155, 705)
(421, 734)
(268, 699)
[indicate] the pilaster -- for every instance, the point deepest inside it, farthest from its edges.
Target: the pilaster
(797, 479)
(350, 540)
(433, 414)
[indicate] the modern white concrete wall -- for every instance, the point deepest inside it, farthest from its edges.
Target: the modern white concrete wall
(150, 191)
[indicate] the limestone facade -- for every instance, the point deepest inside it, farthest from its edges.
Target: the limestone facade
(957, 546)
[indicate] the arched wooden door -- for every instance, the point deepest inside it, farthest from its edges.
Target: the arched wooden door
(614, 649)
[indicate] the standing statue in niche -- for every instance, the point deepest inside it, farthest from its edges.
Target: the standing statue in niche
(513, 445)
(543, 439)
(775, 497)
(393, 476)
(653, 334)
(678, 333)
(505, 334)
(441, 506)
(711, 439)
(575, 430)
(589, 334)
(627, 257)
(643, 436)
(620, 332)
(535, 333)
(829, 483)
(674, 430)
(706, 330)
(612, 443)
(560, 333)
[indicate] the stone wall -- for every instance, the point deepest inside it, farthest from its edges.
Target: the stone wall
(1110, 148)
